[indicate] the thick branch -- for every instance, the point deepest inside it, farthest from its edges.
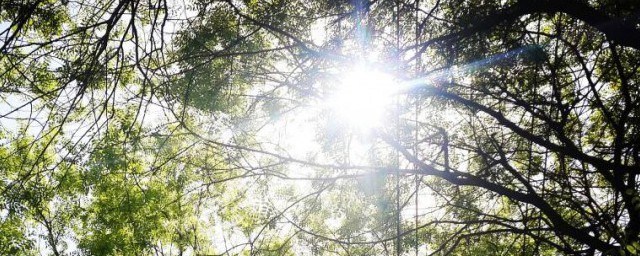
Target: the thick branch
(615, 28)
(465, 179)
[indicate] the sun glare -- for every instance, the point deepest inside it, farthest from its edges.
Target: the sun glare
(362, 97)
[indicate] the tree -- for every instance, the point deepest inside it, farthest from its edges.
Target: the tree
(208, 127)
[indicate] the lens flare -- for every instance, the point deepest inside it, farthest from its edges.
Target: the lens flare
(362, 97)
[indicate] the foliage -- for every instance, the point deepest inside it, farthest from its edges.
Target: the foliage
(202, 127)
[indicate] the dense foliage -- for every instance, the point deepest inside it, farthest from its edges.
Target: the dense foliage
(202, 128)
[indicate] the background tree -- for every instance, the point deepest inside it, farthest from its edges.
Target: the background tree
(206, 127)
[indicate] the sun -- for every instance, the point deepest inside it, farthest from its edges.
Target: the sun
(362, 97)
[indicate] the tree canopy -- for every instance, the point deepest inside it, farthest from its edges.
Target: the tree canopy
(330, 127)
